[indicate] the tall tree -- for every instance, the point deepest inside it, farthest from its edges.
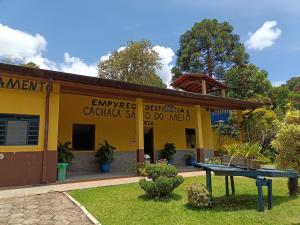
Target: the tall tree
(210, 47)
(246, 82)
(136, 63)
(293, 83)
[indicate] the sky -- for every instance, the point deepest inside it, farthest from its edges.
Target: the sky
(73, 36)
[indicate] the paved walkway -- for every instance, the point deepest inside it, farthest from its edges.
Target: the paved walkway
(21, 192)
(46, 209)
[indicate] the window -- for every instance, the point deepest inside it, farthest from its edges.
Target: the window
(19, 129)
(83, 136)
(190, 138)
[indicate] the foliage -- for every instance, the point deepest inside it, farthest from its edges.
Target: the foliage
(244, 150)
(168, 151)
(164, 180)
(293, 83)
(279, 97)
(229, 130)
(64, 153)
(214, 160)
(198, 196)
(190, 154)
(135, 63)
(211, 47)
(105, 152)
(287, 141)
(246, 82)
(141, 169)
(162, 161)
(260, 127)
(31, 65)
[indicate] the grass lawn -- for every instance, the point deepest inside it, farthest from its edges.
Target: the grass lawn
(126, 204)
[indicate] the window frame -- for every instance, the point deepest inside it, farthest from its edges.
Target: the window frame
(33, 128)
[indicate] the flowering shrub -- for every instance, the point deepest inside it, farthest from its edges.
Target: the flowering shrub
(198, 196)
(287, 141)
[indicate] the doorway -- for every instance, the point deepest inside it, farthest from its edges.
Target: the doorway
(83, 137)
(148, 142)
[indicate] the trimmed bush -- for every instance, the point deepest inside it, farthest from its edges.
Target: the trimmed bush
(162, 180)
(198, 196)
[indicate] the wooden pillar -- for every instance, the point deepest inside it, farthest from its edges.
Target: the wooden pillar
(239, 114)
(139, 121)
(223, 92)
(199, 135)
(203, 82)
(46, 131)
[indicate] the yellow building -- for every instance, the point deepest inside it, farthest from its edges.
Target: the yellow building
(40, 108)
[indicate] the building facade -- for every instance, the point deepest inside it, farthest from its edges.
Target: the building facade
(40, 108)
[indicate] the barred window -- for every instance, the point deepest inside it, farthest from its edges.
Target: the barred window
(19, 129)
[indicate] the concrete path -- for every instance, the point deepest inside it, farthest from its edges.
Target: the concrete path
(28, 191)
(46, 209)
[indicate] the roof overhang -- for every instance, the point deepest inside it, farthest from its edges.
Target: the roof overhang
(92, 86)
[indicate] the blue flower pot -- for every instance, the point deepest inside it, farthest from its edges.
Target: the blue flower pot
(105, 167)
(190, 161)
(171, 162)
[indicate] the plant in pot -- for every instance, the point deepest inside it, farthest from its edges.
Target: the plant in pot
(105, 154)
(64, 157)
(190, 158)
(168, 152)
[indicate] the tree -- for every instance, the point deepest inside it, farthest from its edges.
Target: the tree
(246, 82)
(287, 141)
(293, 83)
(209, 47)
(136, 63)
(279, 97)
(31, 65)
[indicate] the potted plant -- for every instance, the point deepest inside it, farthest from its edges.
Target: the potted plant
(64, 157)
(168, 152)
(105, 154)
(190, 158)
(243, 154)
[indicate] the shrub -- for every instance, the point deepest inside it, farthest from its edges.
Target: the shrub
(168, 151)
(163, 179)
(198, 196)
(287, 141)
(154, 171)
(64, 153)
(141, 169)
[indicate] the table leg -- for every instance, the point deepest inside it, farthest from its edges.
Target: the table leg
(208, 184)
(232, 185)
(269, 182)
(226, 185)
(260, 195)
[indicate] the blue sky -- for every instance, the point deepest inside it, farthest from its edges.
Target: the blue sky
(73, 35)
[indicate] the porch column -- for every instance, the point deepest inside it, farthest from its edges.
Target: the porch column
(203, 82)
(223, 92)
(199, 135)
(239, 114)
(139, 123)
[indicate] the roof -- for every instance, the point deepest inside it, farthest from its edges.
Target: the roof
(93, 86)
(191, 82)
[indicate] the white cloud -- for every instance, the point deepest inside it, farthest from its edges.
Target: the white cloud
(76, 65)
(19, 44)
(263, 37)
(278, 83)
(26, 47)
(166, 58)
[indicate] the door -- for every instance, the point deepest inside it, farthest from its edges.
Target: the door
(148, 142)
